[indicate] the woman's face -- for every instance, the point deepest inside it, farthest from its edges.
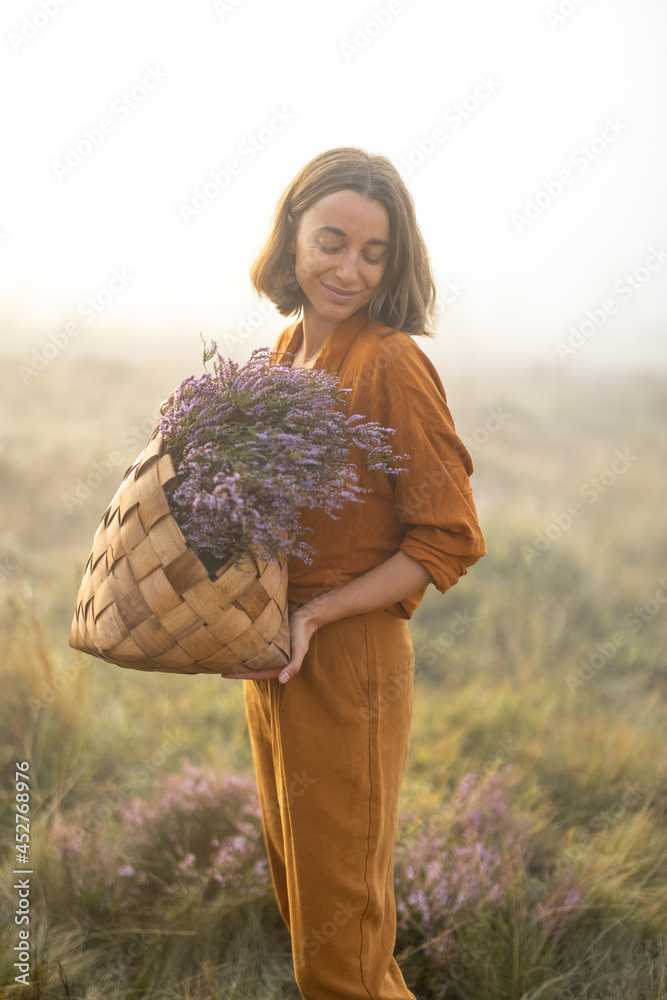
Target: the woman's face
(341, 249)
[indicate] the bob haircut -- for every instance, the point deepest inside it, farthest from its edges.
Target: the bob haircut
(405, 299)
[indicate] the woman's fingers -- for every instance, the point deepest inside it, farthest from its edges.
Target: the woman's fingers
(166, 403)
(302, 628)
(255, 675)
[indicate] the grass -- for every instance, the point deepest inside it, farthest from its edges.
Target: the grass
(544, 666)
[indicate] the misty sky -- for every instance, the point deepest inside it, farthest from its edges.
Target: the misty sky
(147, 142)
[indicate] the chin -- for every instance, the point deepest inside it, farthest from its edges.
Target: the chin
(340, 310)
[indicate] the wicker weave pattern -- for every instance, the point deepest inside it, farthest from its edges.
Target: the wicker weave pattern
(147, 602)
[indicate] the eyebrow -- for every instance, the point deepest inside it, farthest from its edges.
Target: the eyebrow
(339, 232)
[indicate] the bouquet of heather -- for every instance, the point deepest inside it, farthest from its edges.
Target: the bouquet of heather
(188, 568)
(254, 446)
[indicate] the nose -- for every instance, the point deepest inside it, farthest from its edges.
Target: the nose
(347, 267)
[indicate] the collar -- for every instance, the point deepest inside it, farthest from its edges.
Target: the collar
(336, 347)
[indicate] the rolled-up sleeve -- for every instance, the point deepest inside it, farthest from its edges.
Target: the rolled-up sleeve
(433, 497)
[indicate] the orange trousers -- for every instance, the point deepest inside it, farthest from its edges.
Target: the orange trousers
(330, 749)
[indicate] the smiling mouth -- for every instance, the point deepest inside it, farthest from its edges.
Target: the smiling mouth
(338, 293)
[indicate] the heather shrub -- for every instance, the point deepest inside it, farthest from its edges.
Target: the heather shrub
(89, 859)
(200, 829)
(469, 858)
(197, 834)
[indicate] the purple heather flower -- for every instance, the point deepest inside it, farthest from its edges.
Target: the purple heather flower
(256, 445)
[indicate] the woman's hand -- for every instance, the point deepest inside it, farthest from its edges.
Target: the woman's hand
(391, 581)
(302, 627)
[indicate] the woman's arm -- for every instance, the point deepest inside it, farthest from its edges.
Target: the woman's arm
(391, 581)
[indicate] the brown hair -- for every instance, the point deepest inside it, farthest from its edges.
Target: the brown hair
(405, 299)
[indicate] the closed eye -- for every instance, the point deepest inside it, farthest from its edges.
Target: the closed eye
(366, 257)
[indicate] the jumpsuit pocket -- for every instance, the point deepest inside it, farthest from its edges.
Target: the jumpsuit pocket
(376, 650)
(353, 653)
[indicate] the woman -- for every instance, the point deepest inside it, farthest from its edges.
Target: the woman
(330, 735)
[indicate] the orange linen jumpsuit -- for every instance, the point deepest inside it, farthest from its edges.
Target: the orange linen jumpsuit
(330, 746)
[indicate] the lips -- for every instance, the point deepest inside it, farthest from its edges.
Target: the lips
(338, 295)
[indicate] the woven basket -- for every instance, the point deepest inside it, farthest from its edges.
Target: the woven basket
(147, 601)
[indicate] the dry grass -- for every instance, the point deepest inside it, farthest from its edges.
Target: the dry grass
(508, 690)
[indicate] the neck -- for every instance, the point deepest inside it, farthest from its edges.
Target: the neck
(316, 332)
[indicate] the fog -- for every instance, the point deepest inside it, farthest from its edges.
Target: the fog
(146, 145)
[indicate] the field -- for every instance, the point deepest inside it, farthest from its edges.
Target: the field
(532, 856)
